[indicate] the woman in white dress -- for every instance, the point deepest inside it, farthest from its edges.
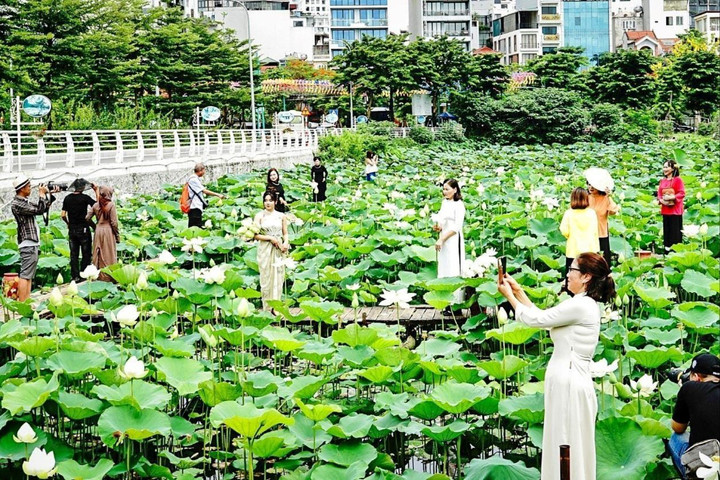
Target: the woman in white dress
(451, 243)
(574, 325)
(272, 246)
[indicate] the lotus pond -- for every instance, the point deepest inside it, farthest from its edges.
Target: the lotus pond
(227, 391)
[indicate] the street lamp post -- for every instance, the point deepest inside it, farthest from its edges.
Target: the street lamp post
(250, 54)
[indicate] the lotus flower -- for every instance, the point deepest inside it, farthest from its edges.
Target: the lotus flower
(500, 171)
(142, 281)
(244, 308)
(298, 222)
(127, 316)
(711, 470)
(90, 273)
(314, 187)
(72, 288)
(60, 280)
(691, 230)
(502, 316)
(233, 213)
(610, 315)
(551, 203)
(208, 223)
(166, 258)
(395, 195)
(353, 287)
(480, 189)
(25, 434)
(397, 297)
(40, 464)
(601, 368)
(286, 262)
(143, 216)
(536, 195)
(56, 297)
(133, 368)
(193, 245)
(703, 229)
(519, 185)
(644, 386)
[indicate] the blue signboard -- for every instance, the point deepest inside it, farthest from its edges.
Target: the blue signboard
(37, 106)
(210, 114)
(361, 119)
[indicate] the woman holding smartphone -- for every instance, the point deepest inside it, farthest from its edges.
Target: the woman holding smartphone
(451, 243)
(671, 195)
(574, 325)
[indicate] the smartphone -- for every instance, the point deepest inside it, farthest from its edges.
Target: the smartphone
(502, 268)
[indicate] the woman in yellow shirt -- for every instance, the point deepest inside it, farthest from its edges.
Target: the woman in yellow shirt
(580, 226)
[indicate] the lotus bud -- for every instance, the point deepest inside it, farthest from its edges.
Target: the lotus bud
(703, 229)
(142, 281)
(176, 294)
(174, 333)
(699, 196)
(25, 434)
(621, 258)
(60, 280)
(40, 464)
(56, 298)
(36, 316)
(90, 273)
(626, 299)
(355, 300)
(72, 288)
(212, 262)
(127, 316)
(153, 312)
(618, 301)
(232, 294)
(233, 213)
(638, 237)
(243, 308)
(133, 368)
(502, 316)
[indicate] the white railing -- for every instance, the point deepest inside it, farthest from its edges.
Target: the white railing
(55, 149)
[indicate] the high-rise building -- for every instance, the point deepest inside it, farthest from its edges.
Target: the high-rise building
(586, 24)
(667, 18)
(447, 18)
(533, 28)
(708, 24)
(350, 20)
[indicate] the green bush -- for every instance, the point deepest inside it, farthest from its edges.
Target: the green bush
(350, 145)
(450, 132)
(422, 135)
(380, 129)
(708, 129)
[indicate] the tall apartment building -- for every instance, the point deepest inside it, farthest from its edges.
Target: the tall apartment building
(708, 24)
(452, 18)
(350, 20)
(533, 27)
(586, 24)
(667, 18)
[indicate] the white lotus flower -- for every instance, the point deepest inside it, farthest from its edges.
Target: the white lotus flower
(353, 287)
(143, 216)
(699, 196)
(550, 203)
(390, 207)
(397, 297)
(691, 230)
(298, 222)
(166, 257)
(502, 316)
(314, 187)
(711, 470)
(644, 386)
(142, 281)
(703, 229)
(244, 308)
(395, 195)
(401, 225)
(127, 316)
(72, 288)
(536, 195)
(25, 434)
(519, 185)
(90, 273)
(208, 223)
(215, 274)
(233, 213)
(56, 297)
(610, 315)
(133, 368)
(40, 464)
(601, 368)
(480, 189)
(193, 245)
(286, 262)
(500, 170)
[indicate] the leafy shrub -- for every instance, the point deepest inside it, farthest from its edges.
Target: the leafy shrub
(350, 145)
(707, 129)
(450, 132)
(640, 127)
(380, 129)
(422, 135)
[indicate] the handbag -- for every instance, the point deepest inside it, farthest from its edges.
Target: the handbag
(668, 194)
(691, 458)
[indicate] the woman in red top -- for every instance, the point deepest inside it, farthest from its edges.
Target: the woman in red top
(671, 193)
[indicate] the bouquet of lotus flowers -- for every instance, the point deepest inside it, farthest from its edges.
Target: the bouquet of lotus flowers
(248, 229)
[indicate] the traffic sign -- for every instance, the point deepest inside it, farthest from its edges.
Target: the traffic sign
(305, 112)
(331, 117)
(37, 106)
(285, 117)
(421, 119)
(210, 114)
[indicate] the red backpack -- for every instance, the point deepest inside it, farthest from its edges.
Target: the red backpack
(185, 199)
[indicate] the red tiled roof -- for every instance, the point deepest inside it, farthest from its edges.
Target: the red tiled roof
(484, 51)
(633, 35)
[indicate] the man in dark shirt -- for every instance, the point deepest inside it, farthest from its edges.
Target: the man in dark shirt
(697, 405)
(74, 211)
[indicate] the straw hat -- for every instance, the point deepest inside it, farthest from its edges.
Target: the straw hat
(599, 179)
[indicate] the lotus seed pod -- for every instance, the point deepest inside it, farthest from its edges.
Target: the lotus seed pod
(638, 237)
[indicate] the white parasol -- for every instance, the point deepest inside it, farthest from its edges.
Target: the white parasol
(600, 179)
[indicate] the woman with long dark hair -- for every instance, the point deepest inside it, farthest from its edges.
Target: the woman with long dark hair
(273, 244)
(107, 234)
(671, 197)
(275, 187)
(451, 243)
(319, 175)
(574, 325)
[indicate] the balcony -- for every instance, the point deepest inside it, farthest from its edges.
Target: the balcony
(553, 37)
(321, 50)
(449, 33)
(446, 13)
(528, 45)
(550, 17)
(365, 23)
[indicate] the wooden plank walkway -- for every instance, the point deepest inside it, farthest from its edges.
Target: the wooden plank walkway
(416, 314)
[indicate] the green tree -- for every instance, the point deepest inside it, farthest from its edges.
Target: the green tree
(376, 65)
(624, 78)
(486, 74)
(560, 69)
(299, 70)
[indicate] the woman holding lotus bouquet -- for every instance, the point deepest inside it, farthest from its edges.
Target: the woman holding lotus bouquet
(273, 244)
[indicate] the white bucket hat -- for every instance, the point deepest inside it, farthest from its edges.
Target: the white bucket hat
(20, 182)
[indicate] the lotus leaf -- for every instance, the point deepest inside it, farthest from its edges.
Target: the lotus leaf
(700, 283)
(446, 433)
(354, 335)
(71, 470)
(35, 346)
(435, 347)
(497, 467)
(318, 412)
(282, 339)
(348, 453)
(116, 422)
(247, 420)
(622, 447)
(514, 333)
(697, 314)
(458, 397)
(182, 373)
(655, 297)
(356, 471)
(302, 387)
(268, 445)
(213, 393)
(322, 311)
(77, 406)
(652, 356)
(352, 426)
(28, 395)
(76, 363)
(529, 408)
(501, 369)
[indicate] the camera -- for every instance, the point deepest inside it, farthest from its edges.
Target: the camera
(62, 187)
(678, 375)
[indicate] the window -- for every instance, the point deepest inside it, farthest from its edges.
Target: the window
(343, 3)
(628, 24)
(549, 50)
(549, 10)
(578, 21)
(549, 30)
(669, 21)
(340, 36)
(374, 18)
(297, 23)
(678, 20)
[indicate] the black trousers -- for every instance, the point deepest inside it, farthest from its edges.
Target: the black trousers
(195, 218)
(672, 230)
(605, 249)
(80, 241)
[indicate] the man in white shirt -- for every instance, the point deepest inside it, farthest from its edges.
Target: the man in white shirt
(197, 197)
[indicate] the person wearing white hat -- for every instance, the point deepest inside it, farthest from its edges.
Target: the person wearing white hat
(28, 232)
(600, 184)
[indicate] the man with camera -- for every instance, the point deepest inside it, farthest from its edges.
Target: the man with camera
(28, 231)
(74, 210)
(697, 405)
(197, 196)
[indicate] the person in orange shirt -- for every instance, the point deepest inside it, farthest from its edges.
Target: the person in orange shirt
(599, 187)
